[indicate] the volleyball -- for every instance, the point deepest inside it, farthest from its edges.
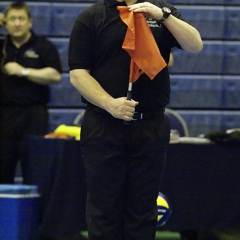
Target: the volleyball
(163, 208)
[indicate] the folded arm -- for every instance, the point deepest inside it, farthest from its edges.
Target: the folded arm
(43, 76)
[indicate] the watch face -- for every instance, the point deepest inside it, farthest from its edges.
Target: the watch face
(167, 10)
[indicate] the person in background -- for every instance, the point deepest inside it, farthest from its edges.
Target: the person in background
(124, 162)
(29, 63)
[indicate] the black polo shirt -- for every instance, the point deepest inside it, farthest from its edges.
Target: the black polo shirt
(96, 44)
(37, 53)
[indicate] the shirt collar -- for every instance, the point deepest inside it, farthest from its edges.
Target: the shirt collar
(112, 3)
(32, 38)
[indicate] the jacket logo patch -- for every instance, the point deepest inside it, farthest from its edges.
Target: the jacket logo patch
(31, 54)
(152, 23)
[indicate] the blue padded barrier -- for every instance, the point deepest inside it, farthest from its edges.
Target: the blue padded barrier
(210, 21)
(232, 2)
(196, 91)
(201, 122)
(41, 14)
(208, 61)
(62, 116)
(232, 29)
(217, 57)
(197, 2)
(204, 122)
(231, 92)
(64, 94)
(3, 5)
(62, 47)
(65, 15)
(205, 92)
(206, 2)
(231, 53)
(230, 119)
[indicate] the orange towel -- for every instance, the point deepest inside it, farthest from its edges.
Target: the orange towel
(140, 45)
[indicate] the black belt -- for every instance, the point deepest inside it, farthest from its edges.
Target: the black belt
(136, 115)
(140, 116)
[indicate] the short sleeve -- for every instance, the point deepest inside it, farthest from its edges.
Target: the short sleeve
(81, 44)
(49, 55)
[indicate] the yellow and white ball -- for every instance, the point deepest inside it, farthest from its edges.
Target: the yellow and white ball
(163, 208)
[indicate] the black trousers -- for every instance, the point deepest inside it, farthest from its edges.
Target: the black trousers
(124, 166)
(17, 122)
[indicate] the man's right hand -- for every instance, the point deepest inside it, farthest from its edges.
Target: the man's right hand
(2, 20)
(122, 108)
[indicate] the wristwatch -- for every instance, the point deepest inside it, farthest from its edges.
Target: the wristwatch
(166, 12)
(25, 72)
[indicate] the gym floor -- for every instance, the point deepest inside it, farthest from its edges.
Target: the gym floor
(228, 234)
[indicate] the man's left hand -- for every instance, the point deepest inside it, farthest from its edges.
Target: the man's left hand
(150, 10)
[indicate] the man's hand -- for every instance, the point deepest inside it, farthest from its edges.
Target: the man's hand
(149, 10)
(2, 20)
(13, 68)
(122, 108)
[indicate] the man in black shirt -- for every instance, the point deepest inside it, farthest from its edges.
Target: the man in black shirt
(29, 63)
(124, 162)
